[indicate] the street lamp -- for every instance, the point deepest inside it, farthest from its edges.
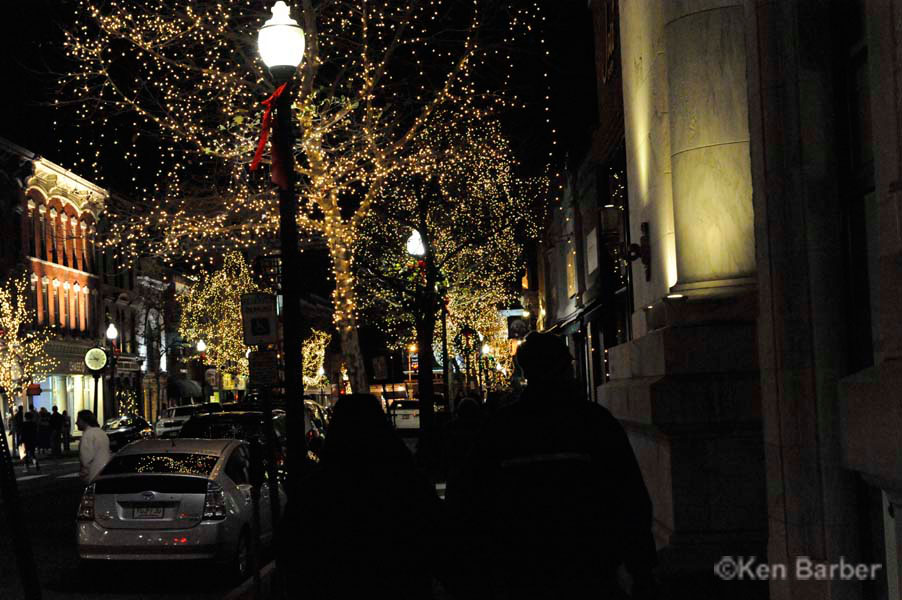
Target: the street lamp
(201, 346)
(415, 244)
(281, 45)
(112, 334)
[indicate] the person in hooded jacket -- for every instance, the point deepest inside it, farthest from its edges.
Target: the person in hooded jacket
(367, 519)
(552, 501)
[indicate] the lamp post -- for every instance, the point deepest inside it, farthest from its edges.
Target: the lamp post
(112, 334)
(281, 45)
(484, 369)
(416, 249)
(201, 346)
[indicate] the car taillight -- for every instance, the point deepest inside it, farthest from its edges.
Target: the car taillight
(214, 502)
(86, 506)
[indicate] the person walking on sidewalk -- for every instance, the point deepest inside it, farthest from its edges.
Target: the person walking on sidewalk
(369, 515)
(43, 431)
(15, 429)
(94, 447)
(552, 500)
(29, 435)
(56, 432)
(67, 432)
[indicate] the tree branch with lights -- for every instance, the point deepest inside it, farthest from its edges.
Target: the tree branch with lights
(211, 311)
(470, 215)
(23, 347)
(176, 88)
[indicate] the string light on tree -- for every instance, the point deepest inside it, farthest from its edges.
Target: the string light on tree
(177, 86)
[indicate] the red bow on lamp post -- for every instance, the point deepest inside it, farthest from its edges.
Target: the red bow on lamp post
(276, 171)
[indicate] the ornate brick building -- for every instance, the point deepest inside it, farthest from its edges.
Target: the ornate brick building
(49, 227)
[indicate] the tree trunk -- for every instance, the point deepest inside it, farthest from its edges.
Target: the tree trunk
(343, 300)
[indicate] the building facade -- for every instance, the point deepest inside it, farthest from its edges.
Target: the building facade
(725, 266)
(50, 228)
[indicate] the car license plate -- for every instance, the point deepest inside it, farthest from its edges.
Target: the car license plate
(149, 512)
(405, 416)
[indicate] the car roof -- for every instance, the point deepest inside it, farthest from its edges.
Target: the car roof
(228, 415)
(178, 446)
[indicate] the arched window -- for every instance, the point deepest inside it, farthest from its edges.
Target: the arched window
(57, 315)
(77, 320)
(32, 221)
(33, 298)
(41, 233)
(63, 239)
(45, 301)
(54, 249)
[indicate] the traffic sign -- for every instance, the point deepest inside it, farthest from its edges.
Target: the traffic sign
(264, 368)
(258, 316)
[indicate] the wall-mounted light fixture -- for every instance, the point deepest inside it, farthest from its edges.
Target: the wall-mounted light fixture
(642, 250)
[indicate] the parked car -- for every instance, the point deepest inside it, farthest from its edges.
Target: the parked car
(171, 420)
(405, 414)
(174, 500)
(126, 429)
(245, 425)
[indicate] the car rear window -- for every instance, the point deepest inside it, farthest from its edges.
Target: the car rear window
(161, 464)
(405, 405)
(185, 411)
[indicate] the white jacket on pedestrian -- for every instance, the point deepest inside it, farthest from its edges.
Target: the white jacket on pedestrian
(94, 452)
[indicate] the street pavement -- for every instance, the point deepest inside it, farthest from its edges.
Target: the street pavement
(49, 501)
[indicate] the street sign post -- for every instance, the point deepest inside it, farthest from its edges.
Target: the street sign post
(258, 317)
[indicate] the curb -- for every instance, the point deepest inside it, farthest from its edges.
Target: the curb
(245, 591)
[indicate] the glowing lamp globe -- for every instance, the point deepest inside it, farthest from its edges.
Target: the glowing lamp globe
(281, 40)
(201, 346)
(415, 244)
(486, 349)
(111, 332)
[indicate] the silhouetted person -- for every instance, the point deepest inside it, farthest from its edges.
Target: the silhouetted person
(56, 432)
(552, 500)
(29, 435)
(15, 428)
(366, 519)
(43, 430)
(459, 435)
(67, 431)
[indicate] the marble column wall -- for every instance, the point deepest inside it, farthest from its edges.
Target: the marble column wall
(645, 97)
(709, 142)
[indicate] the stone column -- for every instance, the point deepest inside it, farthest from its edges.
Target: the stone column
(686, 387)
(709, 146)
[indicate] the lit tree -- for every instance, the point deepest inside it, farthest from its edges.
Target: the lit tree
(177, 86)
(23, 356)
(314, 353)
(211, 311)
(472, 214)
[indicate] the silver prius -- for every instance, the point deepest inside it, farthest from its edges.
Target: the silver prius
(174, 500)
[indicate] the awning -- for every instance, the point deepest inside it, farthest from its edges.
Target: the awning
(184, 388)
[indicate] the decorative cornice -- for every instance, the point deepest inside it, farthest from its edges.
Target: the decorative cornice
(51, 180)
